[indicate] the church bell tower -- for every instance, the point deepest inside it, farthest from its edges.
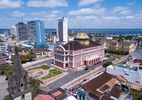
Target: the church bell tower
(18, 82)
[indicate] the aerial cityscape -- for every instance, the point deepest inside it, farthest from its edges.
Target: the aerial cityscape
(70, 50)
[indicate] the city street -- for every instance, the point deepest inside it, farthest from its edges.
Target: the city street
(72, 73)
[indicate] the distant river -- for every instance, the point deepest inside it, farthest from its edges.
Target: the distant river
(103, 31)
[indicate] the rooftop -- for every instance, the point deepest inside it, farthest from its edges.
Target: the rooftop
(123, 67)
(75, 45)
(102, 83)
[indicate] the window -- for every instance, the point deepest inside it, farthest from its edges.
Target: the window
(137, 82)
(126, 74)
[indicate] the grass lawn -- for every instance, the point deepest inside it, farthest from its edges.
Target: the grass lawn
(115, 56)
(52, 73)
(45, 67)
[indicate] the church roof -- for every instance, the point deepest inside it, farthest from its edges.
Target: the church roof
(75, 45)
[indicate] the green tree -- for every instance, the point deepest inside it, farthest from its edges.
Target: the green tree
(13, 37)
(107, 64)
(136, 95)
(6, 68)
(19, 48)
(118, 52)
(71, 34)
(6, 97)
(34, 84)
(24, 58)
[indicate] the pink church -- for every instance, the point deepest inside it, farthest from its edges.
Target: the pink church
(78, 53)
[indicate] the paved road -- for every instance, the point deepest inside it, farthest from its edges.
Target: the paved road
(72, 75)
(39, 63)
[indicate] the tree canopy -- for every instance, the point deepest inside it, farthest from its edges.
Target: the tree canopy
(118, 52)
(107, 64)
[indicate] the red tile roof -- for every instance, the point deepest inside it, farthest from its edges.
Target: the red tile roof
(96, 83)
(115, 93)
(56, 93)
(105, 98)
(75, 45)
(102, 83)
(43, 97)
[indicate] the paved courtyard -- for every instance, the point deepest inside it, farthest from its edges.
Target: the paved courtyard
(3, 87)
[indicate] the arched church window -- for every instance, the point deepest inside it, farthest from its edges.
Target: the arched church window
(23, 97)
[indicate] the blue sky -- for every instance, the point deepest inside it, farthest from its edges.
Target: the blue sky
(80, 13)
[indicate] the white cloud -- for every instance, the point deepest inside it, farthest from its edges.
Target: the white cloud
(110, 18)
(131, 3)
(125, 12)
(119, 8)
(5, 4)
(85, 11)
(130, 17)
(47, 3)
(55, 11)
(38, 13)
(17, 14)
(88, 2)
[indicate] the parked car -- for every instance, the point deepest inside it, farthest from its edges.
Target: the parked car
(86, 68)
(6, 78)
(2, 72)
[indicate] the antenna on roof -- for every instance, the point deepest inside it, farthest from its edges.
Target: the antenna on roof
(21, 19)
(65, 14)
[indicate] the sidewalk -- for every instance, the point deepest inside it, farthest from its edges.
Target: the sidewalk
(35, 62)
(119, 60)
(50, 80)
(80, 79)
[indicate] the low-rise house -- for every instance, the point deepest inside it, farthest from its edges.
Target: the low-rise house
(3, 48)
(102, 87)
(137, 55)
(43, 52)
(3, 59)
(55, 94)
(119, 45)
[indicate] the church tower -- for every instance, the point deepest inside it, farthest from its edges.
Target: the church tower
(18, 82)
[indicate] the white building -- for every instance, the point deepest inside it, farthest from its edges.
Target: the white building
(137, 54)
(13, 30)
(62, 31)
(3, 48)
(132, 74)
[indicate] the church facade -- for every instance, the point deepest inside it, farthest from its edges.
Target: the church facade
(18, 83)
(77, 53)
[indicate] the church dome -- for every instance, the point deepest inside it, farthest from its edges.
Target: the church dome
(81, 36)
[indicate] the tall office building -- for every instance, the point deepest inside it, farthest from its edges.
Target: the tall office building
(36, 34)
(21, 31)
(62, 31)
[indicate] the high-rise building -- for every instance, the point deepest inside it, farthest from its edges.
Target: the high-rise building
(62, 31)
(21, 31)
(13, 30)
(36, 34)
